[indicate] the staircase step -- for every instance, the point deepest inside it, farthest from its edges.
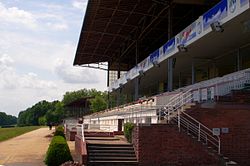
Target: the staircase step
(102, 138)
(112, 158)
(117, 151)
(112, 163)
(113, 154)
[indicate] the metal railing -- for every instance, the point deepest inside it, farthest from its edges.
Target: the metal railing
(80, 131)
(175, 111)
(198, 130)
(176, 103)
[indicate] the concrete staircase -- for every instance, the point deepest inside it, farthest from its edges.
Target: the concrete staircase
(110, 152)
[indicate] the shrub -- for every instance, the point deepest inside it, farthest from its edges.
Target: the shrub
(59, 131)
(58, 152)
(128, 127)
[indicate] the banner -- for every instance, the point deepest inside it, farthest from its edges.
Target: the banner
(154, 56)
(187, 34)
(217, 13)
(143, 65)
(168, 47)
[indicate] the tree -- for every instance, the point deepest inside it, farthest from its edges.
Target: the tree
(7, 119)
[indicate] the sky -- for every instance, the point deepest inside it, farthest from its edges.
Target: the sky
(38, 41)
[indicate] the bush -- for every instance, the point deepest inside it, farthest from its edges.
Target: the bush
(128, 128)
(58, 152)
(59, 131)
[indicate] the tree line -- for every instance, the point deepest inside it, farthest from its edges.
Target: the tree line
(45, 112)
(7, 119)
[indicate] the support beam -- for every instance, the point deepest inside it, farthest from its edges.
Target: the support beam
(239, 60)
(170, 74)
(136, 80)
(193, 72)
(170, 60)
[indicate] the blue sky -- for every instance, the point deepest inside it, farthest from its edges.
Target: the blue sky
(38, 40)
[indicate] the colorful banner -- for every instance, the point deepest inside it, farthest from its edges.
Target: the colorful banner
(134, 72)
(143, 65)
(187, 34)
(154, 56)
(217, 13)
(168, 47)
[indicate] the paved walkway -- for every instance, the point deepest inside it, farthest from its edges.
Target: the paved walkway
(26, 150)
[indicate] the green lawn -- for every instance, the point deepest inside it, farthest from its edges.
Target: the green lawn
(7, 133)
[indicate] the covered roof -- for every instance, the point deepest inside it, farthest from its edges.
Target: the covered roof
(111, 28)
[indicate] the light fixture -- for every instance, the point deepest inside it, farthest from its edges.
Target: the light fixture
(156, 63)
(182, 48)
(128, 79)
(141, 73)
(120, 85)
(216, 27)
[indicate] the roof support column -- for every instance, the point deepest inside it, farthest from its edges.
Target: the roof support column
(239, 60)
(108, 104)
(193, 72)
(170, 60)
(136, 80)
(119, 69)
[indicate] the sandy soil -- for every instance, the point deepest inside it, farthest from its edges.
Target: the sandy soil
(26, 150)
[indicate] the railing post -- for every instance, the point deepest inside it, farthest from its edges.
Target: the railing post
(219, 146)
(179, 120)
(82, 132)
(199, 132)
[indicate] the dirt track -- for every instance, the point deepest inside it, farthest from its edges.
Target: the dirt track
(25, 150)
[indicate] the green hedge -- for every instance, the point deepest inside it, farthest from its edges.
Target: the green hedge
(58, 152)
(59, 131)
(128, 127)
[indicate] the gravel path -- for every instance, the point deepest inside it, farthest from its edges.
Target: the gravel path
(26, 150)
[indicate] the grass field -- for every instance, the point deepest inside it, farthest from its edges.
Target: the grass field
(7, 133)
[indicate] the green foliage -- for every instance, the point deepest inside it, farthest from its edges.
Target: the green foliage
(58, 152)
(41, 113)
(128, 128)
(7, 119)
(59, 131)
(42, 121)
(98, 103)
(7, 133)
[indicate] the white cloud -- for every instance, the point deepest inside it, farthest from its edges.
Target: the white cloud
(11, 80)
(29, 71)
(75, 75)
(80, 4)
(15, 15)
(57, 26)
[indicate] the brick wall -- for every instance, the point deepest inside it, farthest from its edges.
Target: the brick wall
(81, 150)
(164, 145)
(236, 117)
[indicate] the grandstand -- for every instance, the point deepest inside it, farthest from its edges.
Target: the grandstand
(170, 58)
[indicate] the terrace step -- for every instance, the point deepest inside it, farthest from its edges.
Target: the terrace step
(111, 153)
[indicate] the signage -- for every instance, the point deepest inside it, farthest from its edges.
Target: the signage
(168, 47)
(154, 56)
(187, 34)
(217, 13)
(216, 131)
(224, 130)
